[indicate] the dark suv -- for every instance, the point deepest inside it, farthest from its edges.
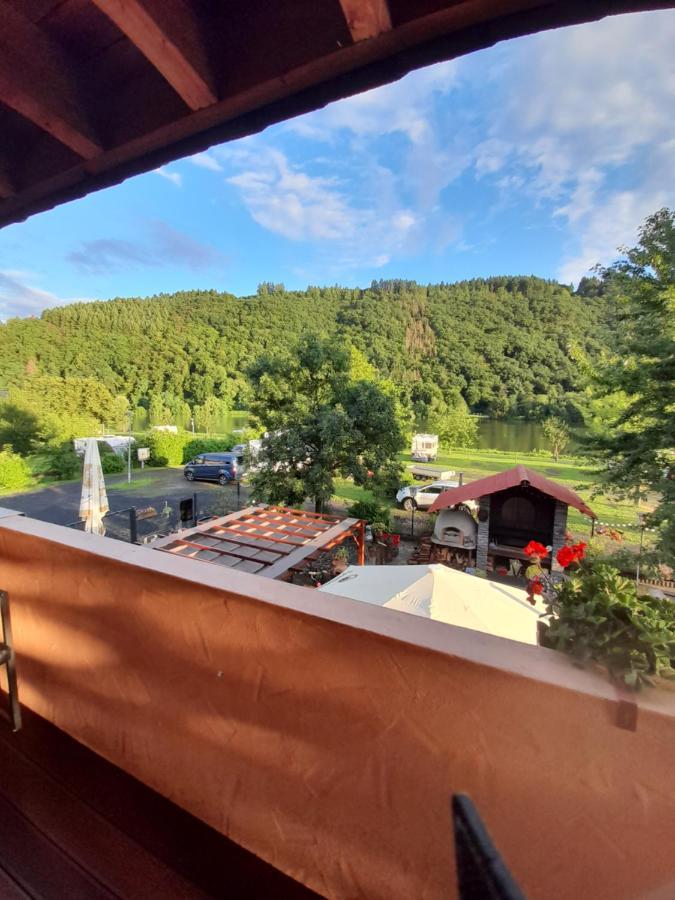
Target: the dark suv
(220, 467)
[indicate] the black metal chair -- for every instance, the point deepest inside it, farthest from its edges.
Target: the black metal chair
(481, 872)
(7, 660)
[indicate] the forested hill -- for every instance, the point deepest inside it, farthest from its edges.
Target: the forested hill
(502, 342)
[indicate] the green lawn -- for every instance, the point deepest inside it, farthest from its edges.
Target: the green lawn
(137, 482)
(570, 471)
(349, 492)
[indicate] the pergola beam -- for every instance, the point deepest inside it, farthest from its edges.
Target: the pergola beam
(39, 82)
(167, 33)
(366, 18)
(304, 550)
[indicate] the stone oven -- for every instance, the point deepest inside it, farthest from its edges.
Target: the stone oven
(515, 507)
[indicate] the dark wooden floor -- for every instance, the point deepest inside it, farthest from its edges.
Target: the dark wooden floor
(74, 826)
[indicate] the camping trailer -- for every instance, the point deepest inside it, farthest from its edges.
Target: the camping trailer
(118, 443)
(424, 447)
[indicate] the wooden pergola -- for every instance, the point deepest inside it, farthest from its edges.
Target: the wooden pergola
(266, 540)
(94, 91)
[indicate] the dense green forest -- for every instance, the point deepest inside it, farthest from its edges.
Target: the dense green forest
(505, 345)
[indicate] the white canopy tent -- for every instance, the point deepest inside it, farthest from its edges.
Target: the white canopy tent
(118, 443)
(445, 595)
(94, 500)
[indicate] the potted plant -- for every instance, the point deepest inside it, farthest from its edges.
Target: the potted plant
(379, 530)
(340, 560)
(596, 616)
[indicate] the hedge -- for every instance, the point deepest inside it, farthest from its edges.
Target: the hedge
(195, 446)
(168, 449)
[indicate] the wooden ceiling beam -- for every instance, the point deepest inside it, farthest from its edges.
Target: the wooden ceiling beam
(39, 82)
(168, 34)
(7, 188)
(366, 18)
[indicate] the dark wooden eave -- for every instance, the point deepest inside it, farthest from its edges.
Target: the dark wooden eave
(94, 91)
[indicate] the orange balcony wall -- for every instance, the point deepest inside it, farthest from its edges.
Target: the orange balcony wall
(327, 735)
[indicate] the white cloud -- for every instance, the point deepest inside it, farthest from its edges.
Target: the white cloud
(289, 202)
(286, 199)
(491, 156)
(587, 125)
(612, 219)
(374, 210)
(19, 298)
(206, 161)
(576, 124)
(173, 177)
(402, 106)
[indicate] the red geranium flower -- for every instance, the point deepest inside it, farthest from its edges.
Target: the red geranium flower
(534, 548)
(565, 556)
(537, 587)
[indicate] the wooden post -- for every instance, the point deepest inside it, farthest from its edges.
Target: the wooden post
(361, 543)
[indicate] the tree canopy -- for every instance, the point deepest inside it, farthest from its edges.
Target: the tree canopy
(321, 422)
(499, 346)
(637, 444)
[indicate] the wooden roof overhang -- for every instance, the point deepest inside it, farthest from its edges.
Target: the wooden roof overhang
(94, 91)
(264, 540)
(502, 481)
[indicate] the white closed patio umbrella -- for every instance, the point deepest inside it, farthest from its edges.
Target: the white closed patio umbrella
(94, 500)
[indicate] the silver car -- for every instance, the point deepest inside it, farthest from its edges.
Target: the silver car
(414, 497)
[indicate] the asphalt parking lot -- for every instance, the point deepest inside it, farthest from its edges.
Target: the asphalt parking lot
(59, 503)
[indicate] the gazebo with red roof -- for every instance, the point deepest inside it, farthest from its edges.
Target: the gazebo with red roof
(515, 507)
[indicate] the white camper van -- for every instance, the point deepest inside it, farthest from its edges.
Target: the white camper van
(424, 447)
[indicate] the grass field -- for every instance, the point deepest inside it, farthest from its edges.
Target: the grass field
(570, 471)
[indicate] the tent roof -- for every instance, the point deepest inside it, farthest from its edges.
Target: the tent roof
(445, 595)
(505, 480)
(94, 91)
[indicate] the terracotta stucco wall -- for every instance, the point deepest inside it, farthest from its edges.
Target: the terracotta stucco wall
(299, 725)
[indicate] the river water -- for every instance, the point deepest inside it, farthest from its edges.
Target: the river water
(493, 434)
(515, 436)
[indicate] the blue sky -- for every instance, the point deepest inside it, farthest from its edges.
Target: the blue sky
(538, 156)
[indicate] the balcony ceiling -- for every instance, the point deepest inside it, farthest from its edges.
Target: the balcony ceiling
(94, 91)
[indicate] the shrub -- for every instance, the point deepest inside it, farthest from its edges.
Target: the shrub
(63, 462)
(111, 463)
(14, 470)
(597, 615)
(371, 511)
(195, 446)
(167, 449)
